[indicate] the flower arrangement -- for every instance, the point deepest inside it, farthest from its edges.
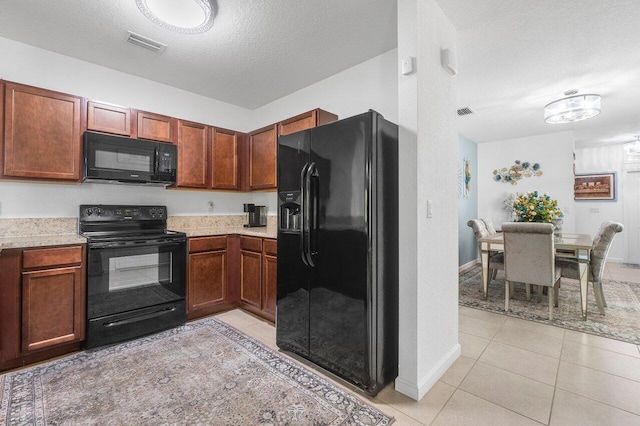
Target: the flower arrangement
(533, 207)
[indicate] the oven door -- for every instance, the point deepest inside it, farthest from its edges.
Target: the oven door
(134, 288)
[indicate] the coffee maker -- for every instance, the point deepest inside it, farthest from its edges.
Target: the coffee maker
(257, 215)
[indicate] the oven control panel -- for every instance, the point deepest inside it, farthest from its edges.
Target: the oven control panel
(114, 213)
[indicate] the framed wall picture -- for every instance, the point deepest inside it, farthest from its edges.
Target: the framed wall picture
(595, 186)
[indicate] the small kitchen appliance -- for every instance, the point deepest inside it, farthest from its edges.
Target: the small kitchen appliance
(257, 215)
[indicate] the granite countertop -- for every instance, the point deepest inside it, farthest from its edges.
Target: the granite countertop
(201, 226)
(38, 232)
(42, 232)
(264, 232)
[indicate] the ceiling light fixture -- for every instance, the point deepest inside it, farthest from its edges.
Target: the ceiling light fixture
(573, 108)
(184, 16)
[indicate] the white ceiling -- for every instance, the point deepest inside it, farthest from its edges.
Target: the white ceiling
(257, 51)
(514, 56)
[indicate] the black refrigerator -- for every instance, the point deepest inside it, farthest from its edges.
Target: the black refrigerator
(338, 248)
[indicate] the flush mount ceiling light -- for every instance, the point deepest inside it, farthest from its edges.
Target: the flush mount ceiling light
(572, 108)
(183, 16)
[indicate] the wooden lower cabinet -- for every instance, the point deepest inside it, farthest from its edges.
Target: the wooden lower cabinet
(208, 280)
(258, 276)
(42, 303)
(269, 278)
(52, 307)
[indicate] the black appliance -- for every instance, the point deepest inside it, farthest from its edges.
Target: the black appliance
(116, 159)
(136, 272)
(257, 215)
(337, 294)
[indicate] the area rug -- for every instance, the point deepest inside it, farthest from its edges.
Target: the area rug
(204, 372)
(622, 315)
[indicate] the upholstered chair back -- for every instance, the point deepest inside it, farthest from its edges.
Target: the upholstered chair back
(488, 223)
(529, 253)
(601, 245)
(479, 228)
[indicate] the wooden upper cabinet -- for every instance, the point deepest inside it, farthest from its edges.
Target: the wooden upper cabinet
(193, 149)
(263, 147)
(108, 118)
(155, 127)
(42, 133)
(314, 118)
(224, 159)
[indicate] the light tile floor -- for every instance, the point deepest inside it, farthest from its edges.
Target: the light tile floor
(513, 372)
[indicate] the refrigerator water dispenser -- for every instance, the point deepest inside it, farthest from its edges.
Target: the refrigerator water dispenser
(289, 210)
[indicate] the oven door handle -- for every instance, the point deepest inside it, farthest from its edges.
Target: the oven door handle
(141, 243)
(140, 317)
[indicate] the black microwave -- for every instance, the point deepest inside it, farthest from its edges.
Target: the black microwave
(117, 159)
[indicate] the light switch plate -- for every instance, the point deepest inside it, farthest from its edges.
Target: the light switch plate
(407, 65)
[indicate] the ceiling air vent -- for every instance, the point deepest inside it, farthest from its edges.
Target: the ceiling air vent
(145, 42)
(465, 111)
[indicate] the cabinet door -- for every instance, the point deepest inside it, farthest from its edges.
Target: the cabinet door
(207, 280)
(250, 274)
(53, 307)
(193, 143)
(224, 159)
(108, 118)
(269, 284)
(262, 158)
(155, 127)
(41, 133)
(305, 121)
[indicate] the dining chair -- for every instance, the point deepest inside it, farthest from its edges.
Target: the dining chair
(480, 230)
(597, 260)
(529, 256)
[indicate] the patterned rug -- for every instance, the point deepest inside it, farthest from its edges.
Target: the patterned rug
(622, 315)
(204, 372)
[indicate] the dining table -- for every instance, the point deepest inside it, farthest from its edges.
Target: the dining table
(574, 246)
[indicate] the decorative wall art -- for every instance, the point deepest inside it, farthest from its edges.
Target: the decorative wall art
(464, 178)
(519, 170)
(592, 186)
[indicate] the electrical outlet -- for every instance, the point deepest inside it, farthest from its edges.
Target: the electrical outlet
(210, 206)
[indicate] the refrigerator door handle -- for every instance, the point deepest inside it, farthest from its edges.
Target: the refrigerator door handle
(303, 213)
(312, 212)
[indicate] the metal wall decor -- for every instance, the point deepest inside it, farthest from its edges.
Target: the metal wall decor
(516, 172)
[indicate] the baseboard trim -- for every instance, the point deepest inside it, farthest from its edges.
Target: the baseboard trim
(468, 265)
(418, 390)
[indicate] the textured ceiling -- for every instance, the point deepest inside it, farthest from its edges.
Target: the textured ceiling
(516, 56)
(256, 52)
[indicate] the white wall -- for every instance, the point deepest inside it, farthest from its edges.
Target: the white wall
(370, 85)
(428, 158)
(590, 214)
(554, 153)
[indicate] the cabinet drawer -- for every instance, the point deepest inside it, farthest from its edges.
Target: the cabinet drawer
(271, 247)
(251, 244)
(44, 258)
(207, 244)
